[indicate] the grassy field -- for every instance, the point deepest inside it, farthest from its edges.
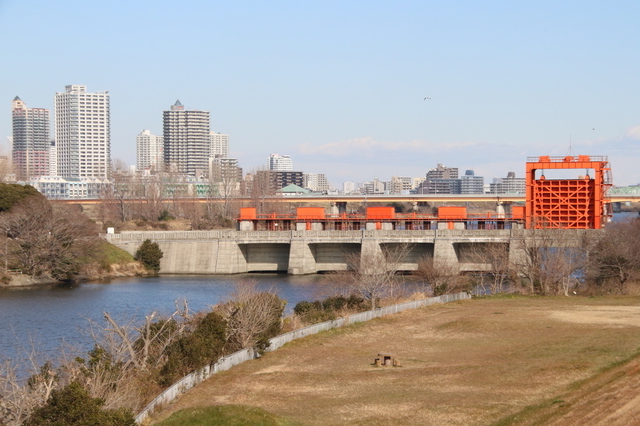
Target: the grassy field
(500, 360)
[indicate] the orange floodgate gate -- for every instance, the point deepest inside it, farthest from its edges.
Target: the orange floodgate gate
(579, 203)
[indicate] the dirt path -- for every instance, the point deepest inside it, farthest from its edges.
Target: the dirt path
(463, 363)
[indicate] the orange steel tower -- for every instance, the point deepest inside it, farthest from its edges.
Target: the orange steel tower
(568, 203)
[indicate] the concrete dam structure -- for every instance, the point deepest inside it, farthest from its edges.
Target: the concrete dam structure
(310, 252)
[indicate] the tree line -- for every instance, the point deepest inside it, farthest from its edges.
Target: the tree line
(149, 201)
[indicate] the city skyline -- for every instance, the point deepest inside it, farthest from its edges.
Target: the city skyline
(342, 87)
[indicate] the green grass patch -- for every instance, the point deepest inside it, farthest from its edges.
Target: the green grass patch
(230, 415)
(108, 255)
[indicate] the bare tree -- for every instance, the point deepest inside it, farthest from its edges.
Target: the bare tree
(124, 355)
(375, 274)
(443, 278)
(152, 196)
(19, 397)
(6, 169)
(252, 316)
(263, 195)
(614, 259)
(224, 183)
(141, 346)
(493, 258)
(48, 240)
(546, 259)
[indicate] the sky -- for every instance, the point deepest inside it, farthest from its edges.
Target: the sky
(340, 85)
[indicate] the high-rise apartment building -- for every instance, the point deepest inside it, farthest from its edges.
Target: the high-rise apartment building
(281, 163)
(53, 159)
(31, 140)
(219, 145)
(149, 151)
(187, 140)
(82, 129)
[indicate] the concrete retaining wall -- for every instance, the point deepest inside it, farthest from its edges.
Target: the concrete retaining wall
(225, 363)
(308, 252)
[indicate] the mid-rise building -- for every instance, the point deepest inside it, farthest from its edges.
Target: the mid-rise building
(82, 129)
(187, 140)
(350, 187)
(400, 185)
(277, 179)
(223, 169)
(219, 145)
(442, 172)
(441, 180)
(316, 182)
(471, 184)
(509, 185)
(54, 187)
(416, 182)
(282, 163)
(149, 151)
(31, 140)
(375, 187)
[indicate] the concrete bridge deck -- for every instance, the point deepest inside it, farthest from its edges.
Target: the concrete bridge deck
(310, 252)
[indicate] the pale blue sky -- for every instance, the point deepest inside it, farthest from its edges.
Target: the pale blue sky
(339, 85)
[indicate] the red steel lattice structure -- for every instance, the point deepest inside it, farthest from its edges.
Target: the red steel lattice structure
(568, 203)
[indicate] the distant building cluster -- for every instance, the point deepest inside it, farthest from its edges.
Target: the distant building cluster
(439, 180)
(76, 162)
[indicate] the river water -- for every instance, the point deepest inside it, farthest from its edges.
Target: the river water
(49, 316)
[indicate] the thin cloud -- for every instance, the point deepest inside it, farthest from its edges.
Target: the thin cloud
(633, 133)
(370, 147)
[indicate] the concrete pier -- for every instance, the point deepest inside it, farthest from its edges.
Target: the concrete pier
(308, 252)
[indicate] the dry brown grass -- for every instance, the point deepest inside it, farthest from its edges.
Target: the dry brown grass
(463, 363)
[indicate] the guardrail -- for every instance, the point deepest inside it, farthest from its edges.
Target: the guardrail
(225, 363)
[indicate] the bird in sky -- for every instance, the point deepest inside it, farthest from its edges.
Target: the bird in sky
(427, 98)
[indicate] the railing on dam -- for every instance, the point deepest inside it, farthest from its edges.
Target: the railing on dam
(225, 363)
(139, 236)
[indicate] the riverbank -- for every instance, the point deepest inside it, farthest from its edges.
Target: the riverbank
(89, 274)
(475, 362)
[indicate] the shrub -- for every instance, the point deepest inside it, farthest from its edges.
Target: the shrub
(195, 350)
(11, 193)
(72, 405)
(149, 254)
(164, 215)
(327, 309)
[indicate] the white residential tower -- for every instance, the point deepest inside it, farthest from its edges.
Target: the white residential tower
(82, 129)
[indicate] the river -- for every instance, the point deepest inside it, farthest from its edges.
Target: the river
(52, 315)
